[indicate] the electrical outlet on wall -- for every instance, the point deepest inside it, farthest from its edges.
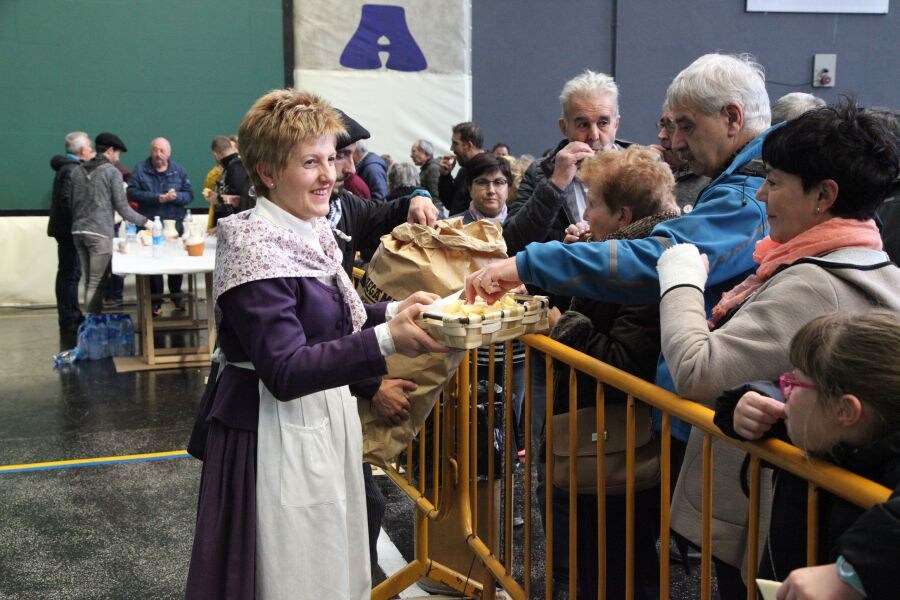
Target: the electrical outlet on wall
(824, 70)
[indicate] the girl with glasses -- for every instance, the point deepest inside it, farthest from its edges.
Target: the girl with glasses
(839, 403)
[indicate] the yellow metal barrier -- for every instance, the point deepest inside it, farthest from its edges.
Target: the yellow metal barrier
(357, 275)
(454, 472)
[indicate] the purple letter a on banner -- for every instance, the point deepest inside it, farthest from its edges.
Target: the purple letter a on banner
(379, 21)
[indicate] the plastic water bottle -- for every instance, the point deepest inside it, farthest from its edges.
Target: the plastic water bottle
(157, 231)
(120, 334)
(67, 357)
(93, 337)
(131, 241)
(126, 337)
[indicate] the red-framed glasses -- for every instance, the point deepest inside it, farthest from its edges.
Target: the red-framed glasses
(788, 381)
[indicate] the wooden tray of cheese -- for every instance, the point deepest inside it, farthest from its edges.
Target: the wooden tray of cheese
(456, 324)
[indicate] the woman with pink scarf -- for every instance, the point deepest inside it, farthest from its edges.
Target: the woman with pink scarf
(827, 172)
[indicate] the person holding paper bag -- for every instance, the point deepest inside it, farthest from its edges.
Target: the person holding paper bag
(282, 459)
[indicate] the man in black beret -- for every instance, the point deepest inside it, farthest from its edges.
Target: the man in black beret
(111, 146)
(358, 224)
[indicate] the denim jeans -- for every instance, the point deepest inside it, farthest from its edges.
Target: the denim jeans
(68, 275)
(116, 289)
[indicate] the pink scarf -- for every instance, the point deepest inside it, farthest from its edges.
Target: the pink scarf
(833, 234)
(253, 249)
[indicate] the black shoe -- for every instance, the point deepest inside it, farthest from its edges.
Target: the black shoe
(157, 311)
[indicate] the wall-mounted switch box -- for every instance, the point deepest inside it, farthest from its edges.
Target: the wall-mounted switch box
(824, 70)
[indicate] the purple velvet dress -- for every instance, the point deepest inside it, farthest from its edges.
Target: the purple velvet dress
(297, 332)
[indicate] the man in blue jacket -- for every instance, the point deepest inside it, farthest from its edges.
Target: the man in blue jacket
(721, 110)
(161, 187)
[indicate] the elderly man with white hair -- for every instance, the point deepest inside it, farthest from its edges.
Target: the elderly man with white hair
(721, 110)
(422, 155)
(550, 197)
(372, 169)
(790, 106)
(68, 273)
(161, 187)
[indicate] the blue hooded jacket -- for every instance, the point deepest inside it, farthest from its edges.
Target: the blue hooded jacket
(725, 224)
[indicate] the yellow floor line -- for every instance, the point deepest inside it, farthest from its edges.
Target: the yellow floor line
(87, 461)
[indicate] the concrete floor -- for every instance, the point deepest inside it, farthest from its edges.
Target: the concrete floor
(111, 531)
(121, 530)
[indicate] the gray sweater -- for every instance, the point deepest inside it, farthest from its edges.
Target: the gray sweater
(98, 192)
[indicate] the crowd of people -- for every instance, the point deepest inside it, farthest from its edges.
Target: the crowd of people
(783, 231)
(746, 247)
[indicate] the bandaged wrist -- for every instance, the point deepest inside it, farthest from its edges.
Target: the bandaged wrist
(681, 265)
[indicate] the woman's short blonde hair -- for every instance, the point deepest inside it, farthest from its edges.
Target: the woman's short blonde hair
(277, 123)
(634, 177)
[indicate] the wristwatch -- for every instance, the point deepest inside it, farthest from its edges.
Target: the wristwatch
(848, 575)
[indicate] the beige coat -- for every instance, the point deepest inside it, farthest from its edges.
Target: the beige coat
(753, 345)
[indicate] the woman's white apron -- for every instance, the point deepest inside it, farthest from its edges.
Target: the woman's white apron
(311, 530)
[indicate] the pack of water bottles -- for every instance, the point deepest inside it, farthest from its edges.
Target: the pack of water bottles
(101, 336)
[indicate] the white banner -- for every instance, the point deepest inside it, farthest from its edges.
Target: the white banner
(402, 70)
(819, 6)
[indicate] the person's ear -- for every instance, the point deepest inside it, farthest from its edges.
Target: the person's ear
(850, 410)
(265, 174)
(734, 116)
(828, 193)
(562, 127)
(626, 216)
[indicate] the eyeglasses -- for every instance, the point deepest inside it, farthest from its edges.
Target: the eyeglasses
(788, 381)
(667, 124)
(485, 183)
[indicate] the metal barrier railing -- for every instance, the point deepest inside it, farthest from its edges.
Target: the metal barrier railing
(454, 480)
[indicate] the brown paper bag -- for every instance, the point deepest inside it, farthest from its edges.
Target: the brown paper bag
(412, 258)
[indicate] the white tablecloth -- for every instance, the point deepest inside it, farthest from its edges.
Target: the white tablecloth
(174, 261)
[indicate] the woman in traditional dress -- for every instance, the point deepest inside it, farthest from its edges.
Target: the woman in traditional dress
(281, 512)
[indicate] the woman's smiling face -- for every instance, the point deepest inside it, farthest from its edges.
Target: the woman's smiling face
(790, 210)
(303, 187)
